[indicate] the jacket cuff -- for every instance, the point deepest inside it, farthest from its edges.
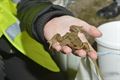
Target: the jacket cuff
(33, 15)
(40, 21)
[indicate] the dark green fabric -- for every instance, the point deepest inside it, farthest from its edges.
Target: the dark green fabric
(43, 19)
(28, 14)
(34, 15)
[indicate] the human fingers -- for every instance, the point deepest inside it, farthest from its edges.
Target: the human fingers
(59, 48)
(80, 53)
(91, 30)
(92, 53)
(56, 46)
(66, 50)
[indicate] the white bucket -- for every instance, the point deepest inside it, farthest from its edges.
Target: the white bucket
(109, 50)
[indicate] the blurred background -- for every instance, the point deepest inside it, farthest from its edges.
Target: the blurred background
(86, 10)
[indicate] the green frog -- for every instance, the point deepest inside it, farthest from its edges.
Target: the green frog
(71, 39)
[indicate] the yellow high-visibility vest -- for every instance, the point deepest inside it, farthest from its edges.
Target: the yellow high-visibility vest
(9, 27)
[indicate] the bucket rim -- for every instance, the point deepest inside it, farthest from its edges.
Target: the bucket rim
(108, 45)
(105, 43)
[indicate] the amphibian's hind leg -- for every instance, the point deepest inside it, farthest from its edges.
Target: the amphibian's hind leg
(54, 39)
(86, 47)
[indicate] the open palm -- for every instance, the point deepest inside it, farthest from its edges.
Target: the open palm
(61, 25)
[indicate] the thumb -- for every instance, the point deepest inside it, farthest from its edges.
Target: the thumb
(93, 31)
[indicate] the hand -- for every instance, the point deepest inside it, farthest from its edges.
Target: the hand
(61, 25)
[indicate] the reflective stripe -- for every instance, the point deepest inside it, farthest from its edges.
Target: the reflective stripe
(29, 47)
(34, 50)
(13, 31)
(21, 40)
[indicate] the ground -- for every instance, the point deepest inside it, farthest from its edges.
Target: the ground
(86, 10)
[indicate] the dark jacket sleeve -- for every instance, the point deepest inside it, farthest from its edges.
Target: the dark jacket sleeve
(34, 14)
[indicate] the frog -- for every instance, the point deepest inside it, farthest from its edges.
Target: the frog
(71, 39)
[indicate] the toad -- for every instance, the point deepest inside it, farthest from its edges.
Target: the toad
(71, 39)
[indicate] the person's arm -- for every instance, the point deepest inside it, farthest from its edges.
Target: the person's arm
(43, 20)
(34, 14)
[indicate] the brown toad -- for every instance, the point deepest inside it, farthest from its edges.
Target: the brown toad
(71, 39)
